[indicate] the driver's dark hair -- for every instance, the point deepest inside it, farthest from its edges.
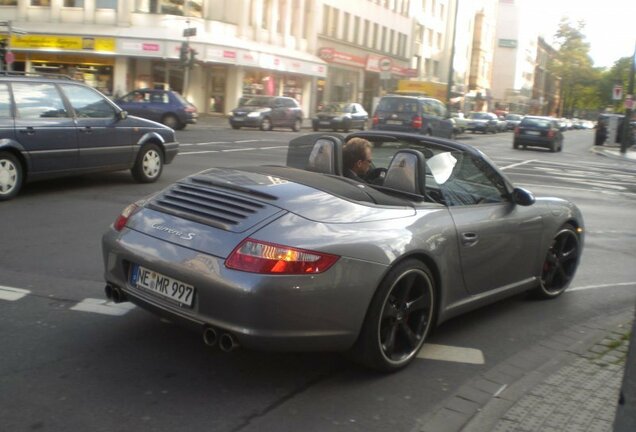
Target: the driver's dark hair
(353, 151)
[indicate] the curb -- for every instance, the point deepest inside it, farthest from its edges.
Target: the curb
(480, 404)
(613, 152)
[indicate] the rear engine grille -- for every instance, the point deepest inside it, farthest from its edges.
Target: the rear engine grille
(208, 206)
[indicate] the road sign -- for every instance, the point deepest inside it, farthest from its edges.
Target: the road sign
(189, 32)
(629, 102)
(9, 57)
(617, 92)
(385, 64)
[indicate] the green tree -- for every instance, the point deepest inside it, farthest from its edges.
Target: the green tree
(575, 68)
(617, 74)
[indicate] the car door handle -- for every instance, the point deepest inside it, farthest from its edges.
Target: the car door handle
(29, 130)
(469, 239)
(86, 129)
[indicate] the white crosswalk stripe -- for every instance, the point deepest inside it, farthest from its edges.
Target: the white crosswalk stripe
(103, 307)
(12, 294)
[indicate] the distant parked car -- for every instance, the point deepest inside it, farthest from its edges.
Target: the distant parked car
(416, 114)
(482, 122)
(341, 115)
(512, 121)
(502, 124)
(267, 112)
(460, 122)
(537, 131)
(163, 106)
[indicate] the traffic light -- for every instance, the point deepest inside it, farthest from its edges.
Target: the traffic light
(183, 53)
(193, 57)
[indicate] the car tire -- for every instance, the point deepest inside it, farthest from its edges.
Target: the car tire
(235, 127)
(515, 146)
(266, 124)
(400, 317)
(363, 126)
(553, 147)
(346, 126)
(315, 128)
(149, 164)
(297, 125)
(172, 121)
(560, 264)
(11, 176)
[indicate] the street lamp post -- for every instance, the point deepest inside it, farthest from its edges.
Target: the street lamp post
(626, 138)
(452, 58)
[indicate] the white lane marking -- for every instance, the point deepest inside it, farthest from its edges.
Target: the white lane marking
(246, 141)
(271, 148)
(238, 149)
(213, 142)
(103, 307)
(197, 152)
(451, 353)
(12, 294)
(608, 192)
(588, 287)
(518, 164)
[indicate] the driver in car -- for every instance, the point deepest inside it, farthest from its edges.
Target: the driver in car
(356, 158)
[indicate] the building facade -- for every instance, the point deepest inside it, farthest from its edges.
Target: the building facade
(242, 46)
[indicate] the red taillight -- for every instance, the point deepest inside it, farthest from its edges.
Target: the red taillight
(376, 120)
(126, 213)
(550, 133)
(416, 122)
(517, 130)
(256, 256)
(190, 109)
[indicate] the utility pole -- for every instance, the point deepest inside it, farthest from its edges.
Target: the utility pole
(452, 59)
(627, 132)
(186, 56)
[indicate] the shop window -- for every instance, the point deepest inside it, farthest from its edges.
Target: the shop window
(74, 3)
(8, 2)
(40, 2)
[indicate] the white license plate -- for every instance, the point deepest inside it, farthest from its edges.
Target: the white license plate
(533, 133)
(141, 277)
(394, 122)
(325, 122)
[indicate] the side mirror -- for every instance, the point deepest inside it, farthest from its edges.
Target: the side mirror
(122, 115)
(522, 196)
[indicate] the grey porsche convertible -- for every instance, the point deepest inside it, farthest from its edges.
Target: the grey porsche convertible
(299, 257)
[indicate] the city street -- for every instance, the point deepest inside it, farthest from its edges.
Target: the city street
(73, 362)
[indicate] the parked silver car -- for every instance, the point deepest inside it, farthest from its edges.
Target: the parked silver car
(299, 257)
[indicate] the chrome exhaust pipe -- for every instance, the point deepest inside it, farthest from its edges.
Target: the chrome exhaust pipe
(118, 295)
(210, 336)
(228, 342)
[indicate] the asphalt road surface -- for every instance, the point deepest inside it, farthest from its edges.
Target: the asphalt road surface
(72, 362)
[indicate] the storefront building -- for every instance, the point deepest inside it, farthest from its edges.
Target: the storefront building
(120, 45)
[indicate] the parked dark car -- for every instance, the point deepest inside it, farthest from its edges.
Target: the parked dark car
(416, 114)
(603, 129)
(302, 258)
(513, 120)
(267, 112)
(482, 122)
(163, 106)
(343, 116)
(54, 127)
(535, 131)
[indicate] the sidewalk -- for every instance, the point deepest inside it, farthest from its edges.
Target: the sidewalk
(569, 382)
(614, 152)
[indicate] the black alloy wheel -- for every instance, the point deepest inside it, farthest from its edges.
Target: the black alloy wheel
(561, 262)
(399, 319)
